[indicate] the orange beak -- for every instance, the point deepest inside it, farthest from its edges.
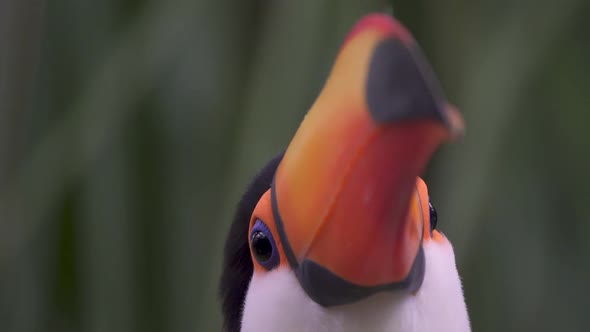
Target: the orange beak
(344, 197)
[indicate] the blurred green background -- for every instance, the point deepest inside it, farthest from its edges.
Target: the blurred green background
(129, 128)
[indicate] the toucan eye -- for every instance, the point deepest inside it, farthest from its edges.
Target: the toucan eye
(433, 217)
(263, 246)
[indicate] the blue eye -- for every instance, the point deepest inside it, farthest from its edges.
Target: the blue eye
(433, 217)
(263, 246)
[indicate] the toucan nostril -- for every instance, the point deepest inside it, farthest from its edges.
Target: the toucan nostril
(401, 85)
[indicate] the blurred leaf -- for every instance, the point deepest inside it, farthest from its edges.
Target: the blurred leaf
(128, 130)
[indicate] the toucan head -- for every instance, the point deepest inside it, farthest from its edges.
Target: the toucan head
(338, 233)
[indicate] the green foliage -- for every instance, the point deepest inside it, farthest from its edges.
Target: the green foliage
(128, 130)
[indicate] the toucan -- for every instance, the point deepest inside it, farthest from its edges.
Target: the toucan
(337, 232)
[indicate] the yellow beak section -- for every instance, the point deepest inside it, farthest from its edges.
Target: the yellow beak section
(344, 196)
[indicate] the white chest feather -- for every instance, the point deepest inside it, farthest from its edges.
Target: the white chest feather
(276, 302)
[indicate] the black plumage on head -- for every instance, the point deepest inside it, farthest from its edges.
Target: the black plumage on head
(237, 263)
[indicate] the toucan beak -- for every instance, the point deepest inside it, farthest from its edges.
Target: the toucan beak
(344, 196)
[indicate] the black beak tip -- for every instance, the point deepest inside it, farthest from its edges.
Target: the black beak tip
(401, 85)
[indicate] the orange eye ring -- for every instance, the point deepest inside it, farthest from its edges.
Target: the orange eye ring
(263, 222)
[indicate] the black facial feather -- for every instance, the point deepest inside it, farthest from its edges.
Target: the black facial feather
(237, 264)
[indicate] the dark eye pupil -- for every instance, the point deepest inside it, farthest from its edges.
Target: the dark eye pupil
(433, 217)
(262, 248)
